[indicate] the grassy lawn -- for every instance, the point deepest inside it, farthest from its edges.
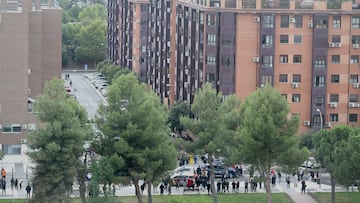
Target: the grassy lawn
(227, 198)
(341, 197)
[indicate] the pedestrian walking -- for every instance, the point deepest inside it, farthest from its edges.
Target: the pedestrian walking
(28, 189)
(70, 83)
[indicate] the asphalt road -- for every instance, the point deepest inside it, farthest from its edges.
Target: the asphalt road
(85, 93)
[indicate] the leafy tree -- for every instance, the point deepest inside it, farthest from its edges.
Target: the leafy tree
(326, 143)
(306, 140)
(92, 43)
(111, 71)
(58, 144)
(93, 12)
(208, 126)
(69, 31)
(347, 157)
(135, 132)
(178, 110)
(267, 136)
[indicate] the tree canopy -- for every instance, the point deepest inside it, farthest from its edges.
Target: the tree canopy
(58, 144)
(266, 135)
(136, 136)
(208, 125)
(336, 149)
(178, 110)
(84, 32)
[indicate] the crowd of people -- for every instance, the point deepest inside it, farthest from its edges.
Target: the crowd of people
(15, 183)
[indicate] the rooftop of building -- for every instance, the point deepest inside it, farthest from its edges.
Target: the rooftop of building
(17, 6)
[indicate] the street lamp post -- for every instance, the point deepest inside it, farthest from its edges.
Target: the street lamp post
(321, 119)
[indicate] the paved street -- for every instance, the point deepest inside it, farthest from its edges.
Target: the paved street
(85, 93)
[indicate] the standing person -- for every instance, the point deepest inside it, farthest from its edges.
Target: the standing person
(28, 189)
(246, 186)
(16, 183)
(303, 186)
(3, 186)
(169, 189)
(162, 189)
(3, 173)
(70, 83)
(20, 183)
(295, 180)
(208, 186)
(288, 181)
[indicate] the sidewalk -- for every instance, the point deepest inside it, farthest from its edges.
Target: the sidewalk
(296, 195)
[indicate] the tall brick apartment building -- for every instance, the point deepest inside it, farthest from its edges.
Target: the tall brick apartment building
(30, 54)
(308, 49)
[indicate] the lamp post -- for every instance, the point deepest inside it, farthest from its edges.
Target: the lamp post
(321, 119)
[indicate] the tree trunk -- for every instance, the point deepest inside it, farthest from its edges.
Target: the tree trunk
(137, 191)
(268, 188)
(149, 193)
(332, 180)
(212, 179)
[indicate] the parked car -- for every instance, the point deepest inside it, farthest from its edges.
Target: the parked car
(311, 163)
(181, 178)
(184, 169)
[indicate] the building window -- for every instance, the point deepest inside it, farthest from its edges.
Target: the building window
(211, 39)
(267, 21)
(320, 63)
(335, 78)
(335, 59)
(319, 101)
(334, 98)
(319, 81)
(337, 22)
(297, 59)
(284, 95)
(321, 23)
(336, 39)
(355, 22)
(201, 16)
(317, 120)
(297, 39)
(354, 78)
(353, 98)
(298, 21)
(354, 59)
(8, 149)
(284, 39)
(226, 60)
(227, 42)
(211, 60)
(334, 117)
(355, 39)
(266, 61)
(211, 19)
(353, 117)
(210, 77)
(283, 78)
(11, 128)
(143, 49)
(283, 58)
(267, 41)
(266, 79)
(284, 21)
(30, 106)
(295, 98)
(297, 78)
